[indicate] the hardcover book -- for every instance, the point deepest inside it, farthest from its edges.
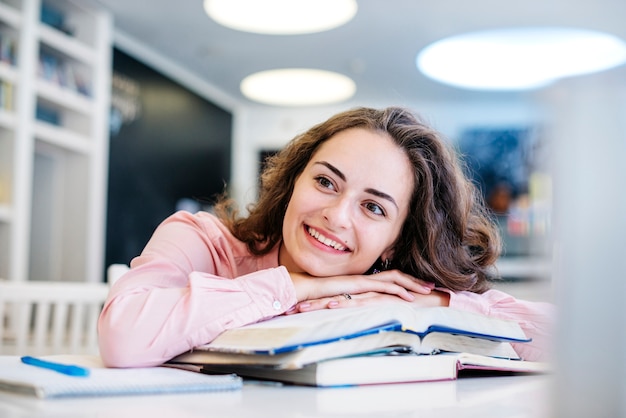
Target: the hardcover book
(380, 369)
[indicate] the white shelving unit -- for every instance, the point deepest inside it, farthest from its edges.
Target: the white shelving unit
(54, 139)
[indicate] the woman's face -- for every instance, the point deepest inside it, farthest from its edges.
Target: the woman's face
(348, 205)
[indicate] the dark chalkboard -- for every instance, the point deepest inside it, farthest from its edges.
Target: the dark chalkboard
(168, 147)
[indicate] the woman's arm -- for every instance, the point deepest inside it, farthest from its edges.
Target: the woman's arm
(190, 284)
(536, 318)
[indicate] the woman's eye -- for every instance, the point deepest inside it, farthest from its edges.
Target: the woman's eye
(324, 182)
(374, 208)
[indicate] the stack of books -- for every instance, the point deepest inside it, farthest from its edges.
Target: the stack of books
(392, 343)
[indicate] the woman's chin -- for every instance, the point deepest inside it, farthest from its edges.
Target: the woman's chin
(329, 271)
(320, 271)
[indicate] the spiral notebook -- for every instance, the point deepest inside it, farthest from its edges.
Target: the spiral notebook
(21, 378)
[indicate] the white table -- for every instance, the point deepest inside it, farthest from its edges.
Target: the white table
(484, 397)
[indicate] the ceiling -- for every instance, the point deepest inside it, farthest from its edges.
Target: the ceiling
(377, 48)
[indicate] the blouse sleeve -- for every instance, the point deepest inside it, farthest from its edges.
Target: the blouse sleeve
(183, 291)
(535, 318)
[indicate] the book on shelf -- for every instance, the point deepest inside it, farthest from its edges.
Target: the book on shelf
(8, 49)
(351, 330)
(26, 379)
(55, 18)
(48, 114)
(381, 369)
(6, 95)
(63, 73)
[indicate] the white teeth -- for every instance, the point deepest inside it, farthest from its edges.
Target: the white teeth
(326, 241)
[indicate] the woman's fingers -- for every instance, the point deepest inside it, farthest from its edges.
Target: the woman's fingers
(406, 281)
(391, 282)
(344, 300)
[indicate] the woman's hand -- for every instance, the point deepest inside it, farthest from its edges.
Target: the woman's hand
(434, 298)
(318, 292)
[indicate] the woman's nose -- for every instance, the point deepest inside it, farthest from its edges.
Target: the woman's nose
(339, 213)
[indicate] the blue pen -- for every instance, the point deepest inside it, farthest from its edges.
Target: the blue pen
(67, 369)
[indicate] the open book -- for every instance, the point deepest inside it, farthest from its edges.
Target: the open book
(379, 369)
(293, 341)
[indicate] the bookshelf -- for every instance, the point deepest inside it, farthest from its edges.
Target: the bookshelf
(55, 72)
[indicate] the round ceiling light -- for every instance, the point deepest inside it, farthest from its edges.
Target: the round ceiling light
(516, 59)
(281, 17)
(297, 87)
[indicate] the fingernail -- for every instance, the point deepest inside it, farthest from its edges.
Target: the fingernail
(304, 305)
(333, 304)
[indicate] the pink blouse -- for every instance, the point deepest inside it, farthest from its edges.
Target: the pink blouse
(194, 280)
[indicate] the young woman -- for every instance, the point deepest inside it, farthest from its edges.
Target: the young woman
(369, 206)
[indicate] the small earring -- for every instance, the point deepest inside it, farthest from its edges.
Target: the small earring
(386, 264)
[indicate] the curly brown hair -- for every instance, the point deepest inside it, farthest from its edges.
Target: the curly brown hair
(448, 238)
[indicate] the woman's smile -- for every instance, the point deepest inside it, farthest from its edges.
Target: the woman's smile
(328, 242)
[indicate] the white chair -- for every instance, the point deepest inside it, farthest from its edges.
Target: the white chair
(42, 318)
(115, 271)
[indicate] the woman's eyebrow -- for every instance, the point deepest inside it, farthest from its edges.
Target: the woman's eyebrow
(332, 168)
(382, 195)
(375, 192)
